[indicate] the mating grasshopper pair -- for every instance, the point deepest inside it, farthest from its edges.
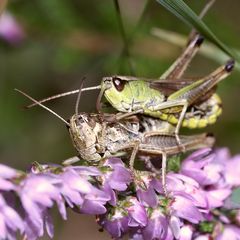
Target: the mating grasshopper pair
(171, 100)
(97, 136)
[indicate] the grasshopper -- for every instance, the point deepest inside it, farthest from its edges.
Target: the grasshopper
(180, 102)
(171, 98)
(190, 104)
(95, 138)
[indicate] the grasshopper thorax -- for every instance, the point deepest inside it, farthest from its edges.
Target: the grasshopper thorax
(87, 135)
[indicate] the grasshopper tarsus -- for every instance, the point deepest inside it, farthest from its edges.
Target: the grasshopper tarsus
(199, 41)
(230, 65)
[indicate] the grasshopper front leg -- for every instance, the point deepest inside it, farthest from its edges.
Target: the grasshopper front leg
(182, 103)
(120, 116)
(71, 161)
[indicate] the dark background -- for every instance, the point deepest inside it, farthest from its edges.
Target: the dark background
(68, 39)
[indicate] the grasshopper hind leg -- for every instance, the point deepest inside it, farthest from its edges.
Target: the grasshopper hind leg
(178, 68)
(133, 155)
(195, 40)
(164, 172)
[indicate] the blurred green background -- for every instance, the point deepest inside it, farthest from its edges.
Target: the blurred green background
(68, 39)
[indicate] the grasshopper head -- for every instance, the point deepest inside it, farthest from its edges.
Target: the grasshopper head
(118, 92)
(86, 135)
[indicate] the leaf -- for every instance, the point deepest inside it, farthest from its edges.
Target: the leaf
(186, 14)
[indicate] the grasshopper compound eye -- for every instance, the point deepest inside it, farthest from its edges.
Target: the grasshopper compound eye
(118, 83)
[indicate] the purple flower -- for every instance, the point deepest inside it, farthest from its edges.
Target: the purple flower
(186, 232)
(137, 213)
(37, 193)
(183, 207)
(77, 190)
(10, 30)
(6, 173)
(202, 167)
(116, 224)
(34, 229)
(203, 237)
(116, 177)
(146, 193)
(233, 171)
(128, 215)
(213, 173)
(229, 232)
(10, 221)
(147, 197)
(119, 177)
(216, 197)
(157, 227)
(125, 202)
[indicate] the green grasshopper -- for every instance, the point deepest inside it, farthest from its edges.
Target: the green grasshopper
(179, 101)
(171, 98)
(95, 138)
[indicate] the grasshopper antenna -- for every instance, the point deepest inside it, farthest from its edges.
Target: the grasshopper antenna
(43, 106)
(79, 96)
(63, 95)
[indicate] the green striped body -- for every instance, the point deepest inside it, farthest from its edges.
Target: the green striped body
(137, 95)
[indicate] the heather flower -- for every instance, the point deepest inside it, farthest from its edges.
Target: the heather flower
(38, 193)
(137, 213)
(191, 199)
(229, 232)
(186, 232)
(77, 190)
(116, 224)
(145, 189)
(233, 171)
(202, 167)
(203, 237)
(10, 30)
(157, 227)
(10, 221)
(126, 202)
(35, 229)
(118, 177)
(210, 173)
(40, 189)
(6, 173)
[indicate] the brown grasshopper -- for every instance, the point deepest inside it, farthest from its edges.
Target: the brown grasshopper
(95, 137)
